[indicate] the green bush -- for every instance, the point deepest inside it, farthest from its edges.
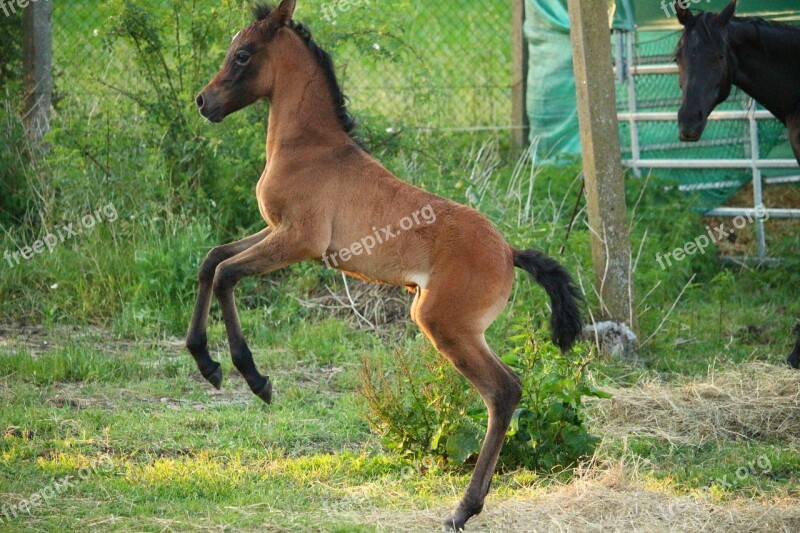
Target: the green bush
(428, 409)
(547, 430)
(10, 47)
(16, 198)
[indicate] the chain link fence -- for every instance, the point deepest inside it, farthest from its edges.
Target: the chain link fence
(433, 65)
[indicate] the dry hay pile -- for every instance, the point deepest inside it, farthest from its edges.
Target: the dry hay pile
(612, 497)
(754, 401)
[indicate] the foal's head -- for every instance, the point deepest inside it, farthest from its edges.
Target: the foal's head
(706, 66)
(249, 70)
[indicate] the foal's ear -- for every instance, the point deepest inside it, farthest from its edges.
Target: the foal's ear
(282, 14)
(726, 14)
(682, 10)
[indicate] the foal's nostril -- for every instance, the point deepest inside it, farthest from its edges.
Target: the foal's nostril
(200, 101)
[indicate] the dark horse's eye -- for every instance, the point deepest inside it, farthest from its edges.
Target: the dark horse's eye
(242, 58)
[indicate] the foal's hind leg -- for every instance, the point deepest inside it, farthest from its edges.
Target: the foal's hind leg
(196, 339)
(456, 330)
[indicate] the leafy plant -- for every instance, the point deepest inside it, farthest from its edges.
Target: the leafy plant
(428, 409)
(16, 199)
(414, 402)
(10, 47)
(169, 83)
(547, 429)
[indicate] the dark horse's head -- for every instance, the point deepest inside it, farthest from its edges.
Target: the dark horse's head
(249, 70)
(706, 66)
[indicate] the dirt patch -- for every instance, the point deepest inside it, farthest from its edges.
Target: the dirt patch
(754, 401)
(38, 339)
(743, 241)
(74, 403)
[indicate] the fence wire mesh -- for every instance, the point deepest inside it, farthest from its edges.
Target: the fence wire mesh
(420, 64)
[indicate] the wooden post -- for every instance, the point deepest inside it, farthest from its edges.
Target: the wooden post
(602, 164)
(519, 86)
(37, 67)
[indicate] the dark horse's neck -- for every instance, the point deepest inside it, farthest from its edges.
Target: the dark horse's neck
(767, 63)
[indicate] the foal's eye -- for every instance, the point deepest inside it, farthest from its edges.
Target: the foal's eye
(242, 58)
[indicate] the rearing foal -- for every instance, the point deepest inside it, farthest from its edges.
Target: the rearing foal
(322, 195)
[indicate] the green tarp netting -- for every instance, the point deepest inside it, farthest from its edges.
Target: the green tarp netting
(551, 84)
(551, 94)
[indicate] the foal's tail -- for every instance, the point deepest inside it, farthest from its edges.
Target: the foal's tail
(566, 323)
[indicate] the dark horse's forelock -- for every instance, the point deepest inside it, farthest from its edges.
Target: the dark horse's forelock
(261, 11)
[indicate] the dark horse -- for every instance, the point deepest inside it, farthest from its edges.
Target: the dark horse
(762, 58)
(322, 197)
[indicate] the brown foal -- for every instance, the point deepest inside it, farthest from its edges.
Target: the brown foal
(324, 198)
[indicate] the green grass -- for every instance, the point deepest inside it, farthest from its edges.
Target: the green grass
(184, 455)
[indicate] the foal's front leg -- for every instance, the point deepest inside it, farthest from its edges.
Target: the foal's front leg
(280, 249)
(196, 339)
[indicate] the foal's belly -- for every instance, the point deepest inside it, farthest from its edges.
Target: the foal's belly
(387, 269)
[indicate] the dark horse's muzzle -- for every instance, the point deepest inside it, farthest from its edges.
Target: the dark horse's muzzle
(691, 125)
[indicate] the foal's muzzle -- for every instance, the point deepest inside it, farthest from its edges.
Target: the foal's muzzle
(209, 108)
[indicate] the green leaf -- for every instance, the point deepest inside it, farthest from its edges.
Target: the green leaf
(597, 393)
(461, 445)
(513, 428)
(555, 412)
(436, 438)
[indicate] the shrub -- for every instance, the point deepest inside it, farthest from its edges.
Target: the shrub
(428, 409)
(10, 47)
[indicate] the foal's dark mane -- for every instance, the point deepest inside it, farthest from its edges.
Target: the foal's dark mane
(261, 11)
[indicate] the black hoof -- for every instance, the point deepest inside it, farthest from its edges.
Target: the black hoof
(456, 521)
(265, 392)
(215, 377)
(452, 525)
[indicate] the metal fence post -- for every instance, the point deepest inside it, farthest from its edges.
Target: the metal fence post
(633, 106)
(758, 193)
